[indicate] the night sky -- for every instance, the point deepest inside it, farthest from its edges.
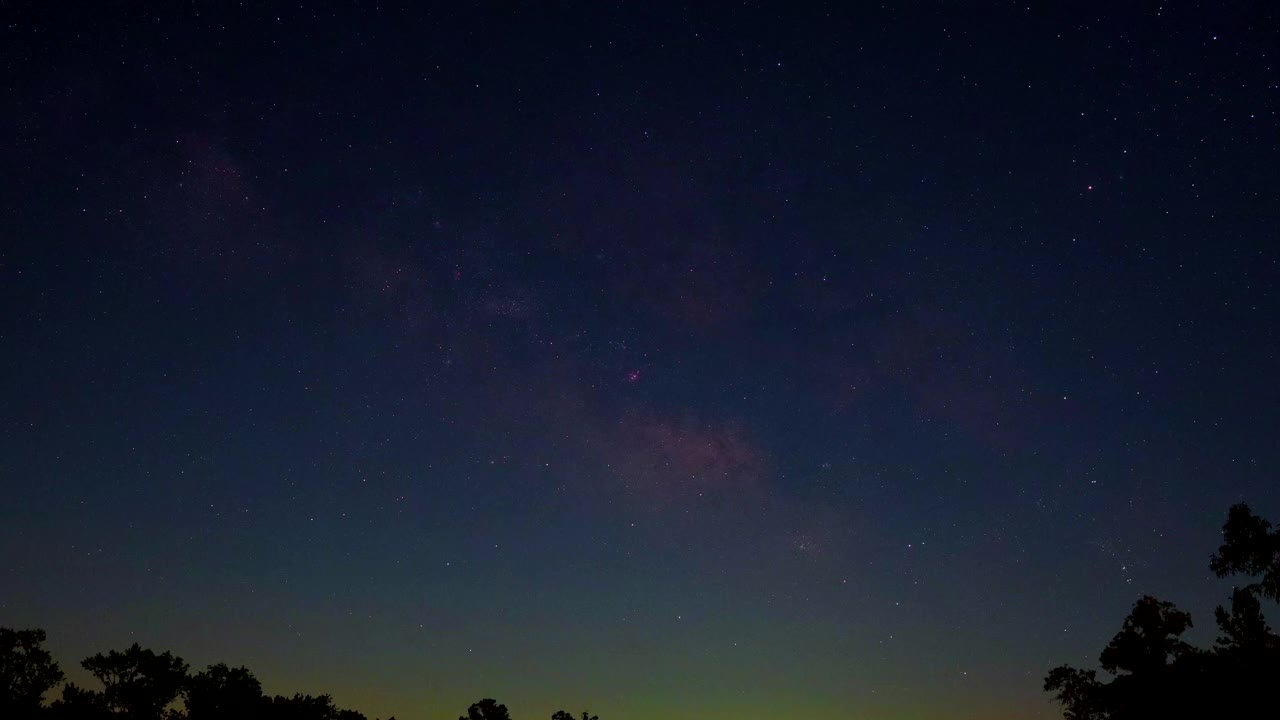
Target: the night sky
(711, 361)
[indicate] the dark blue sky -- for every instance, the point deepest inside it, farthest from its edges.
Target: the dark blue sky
(738, 361)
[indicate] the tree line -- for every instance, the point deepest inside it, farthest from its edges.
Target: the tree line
(140, 684)
(1153, 673)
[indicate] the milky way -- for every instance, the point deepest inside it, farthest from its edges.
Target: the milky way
(671, 362)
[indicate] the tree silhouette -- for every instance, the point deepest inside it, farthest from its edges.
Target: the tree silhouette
(1142, 657)
(1249, 547)
(562, 715)
(1158, 675)
(27, 672)
(486, 709)
(308, 707)
(78, 703)
(1244, 629)
(224, 692)
(1078, 691)
(1149, 640)
(137, 683)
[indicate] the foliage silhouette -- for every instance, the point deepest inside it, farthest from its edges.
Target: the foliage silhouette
(307, 707)
(486, 709)
(1149, 639)
(224, 692)
(141, 684)
(1078, 690)
(562, 715)
(27, 672)
(1155, 674)
(137, 683)
(77, 703)
(1249, 547)
(1244, 629)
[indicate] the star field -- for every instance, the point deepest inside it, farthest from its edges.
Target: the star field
(672, 361)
